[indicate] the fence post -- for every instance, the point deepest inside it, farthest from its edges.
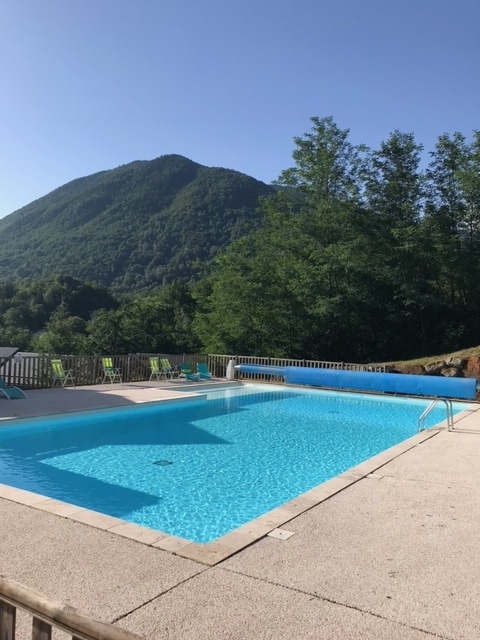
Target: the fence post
(7, 620)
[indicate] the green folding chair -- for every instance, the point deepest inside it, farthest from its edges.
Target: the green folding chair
(61, 376)
(155, 370)
(167, 370)
(110, 373)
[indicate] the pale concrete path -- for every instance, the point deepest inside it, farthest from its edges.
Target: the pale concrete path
(392, 556)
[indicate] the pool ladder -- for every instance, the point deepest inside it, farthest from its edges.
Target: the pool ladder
(421, 425)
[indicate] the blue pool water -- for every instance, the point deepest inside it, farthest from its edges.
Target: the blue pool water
(203, 467)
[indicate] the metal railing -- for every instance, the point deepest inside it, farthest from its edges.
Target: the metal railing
(287, 362)
(47, 614)
(32, 371)
(422, 421)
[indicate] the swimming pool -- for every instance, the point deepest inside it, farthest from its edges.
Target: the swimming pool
(203, 467)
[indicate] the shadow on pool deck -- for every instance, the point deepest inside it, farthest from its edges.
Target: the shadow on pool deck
(394, 554)
(40, 402)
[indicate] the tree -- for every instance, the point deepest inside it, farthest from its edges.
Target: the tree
(16, 337)
(326, 164)
(469, 180)
(284, 289)
(394, 196)
(106, 333)
(453, 216)
(63, 334)
(249, 307)
(393, 182)
(444, 211)
(160, 322)
(156, 323)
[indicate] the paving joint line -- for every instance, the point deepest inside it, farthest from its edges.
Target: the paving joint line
(159, 595)
(314, 596)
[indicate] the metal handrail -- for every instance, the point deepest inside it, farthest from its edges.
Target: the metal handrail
(449, 407)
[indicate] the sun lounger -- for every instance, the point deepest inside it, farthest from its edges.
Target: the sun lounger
(9, 391)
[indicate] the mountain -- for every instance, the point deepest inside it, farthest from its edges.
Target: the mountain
(135, 227)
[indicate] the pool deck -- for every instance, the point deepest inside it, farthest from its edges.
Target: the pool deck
(388, 550)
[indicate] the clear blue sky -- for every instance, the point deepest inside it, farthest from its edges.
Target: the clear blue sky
(88, 85)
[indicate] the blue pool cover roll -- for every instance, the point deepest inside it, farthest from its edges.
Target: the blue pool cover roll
(411, 385)
(433, 386)
(260, 369)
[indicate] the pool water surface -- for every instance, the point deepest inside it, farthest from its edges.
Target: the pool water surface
(200, 468)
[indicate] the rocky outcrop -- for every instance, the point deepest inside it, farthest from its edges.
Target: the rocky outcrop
(472, 370)
(451, 368)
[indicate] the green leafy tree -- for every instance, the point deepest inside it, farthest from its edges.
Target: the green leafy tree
(444, 212)
(156, 323)
(16, 337)
(284, 289)
(469, 180)
(63, 334)
(394, 195)
(452, 217)
(249, 308)
(106, 333)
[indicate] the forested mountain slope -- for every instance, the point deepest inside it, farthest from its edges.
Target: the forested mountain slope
(135, 227)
